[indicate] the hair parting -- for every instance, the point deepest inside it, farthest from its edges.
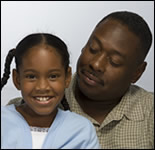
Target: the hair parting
(27, 43)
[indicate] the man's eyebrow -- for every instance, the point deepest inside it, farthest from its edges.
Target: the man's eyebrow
(113, 51)
(98, 41)
(116, 52)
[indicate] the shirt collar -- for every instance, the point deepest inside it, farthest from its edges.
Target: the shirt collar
(128, 107)
(131, 104)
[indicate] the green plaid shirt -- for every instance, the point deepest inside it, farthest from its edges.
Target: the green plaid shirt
(130, 125)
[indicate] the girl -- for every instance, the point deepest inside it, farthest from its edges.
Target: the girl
(42, 73)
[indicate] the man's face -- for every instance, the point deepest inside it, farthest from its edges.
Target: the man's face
(108, 62)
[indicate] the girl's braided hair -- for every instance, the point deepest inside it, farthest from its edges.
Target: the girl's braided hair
(27, 43)
(7, 65)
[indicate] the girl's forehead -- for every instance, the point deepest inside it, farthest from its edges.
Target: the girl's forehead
(42, 60)
(41, 49)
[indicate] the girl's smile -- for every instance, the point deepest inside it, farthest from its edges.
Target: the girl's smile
(43, 100)
(42, 79)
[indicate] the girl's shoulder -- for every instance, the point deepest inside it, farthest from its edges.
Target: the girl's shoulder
(8, 109)
(74, 119)
(73, 129)
(10, 114)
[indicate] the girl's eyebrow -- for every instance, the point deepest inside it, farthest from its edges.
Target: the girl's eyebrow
(54, 70)
(30, 70)
(51, 70)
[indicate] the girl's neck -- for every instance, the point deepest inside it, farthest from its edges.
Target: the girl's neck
(34, 119)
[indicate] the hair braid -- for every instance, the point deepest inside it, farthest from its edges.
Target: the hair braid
(7, 65)
(65, 103)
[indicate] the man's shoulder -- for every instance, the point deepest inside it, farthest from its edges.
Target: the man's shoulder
(142, 97)
(16, 101)
(139, 92)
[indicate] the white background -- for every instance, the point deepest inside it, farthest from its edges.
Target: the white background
(72, 21)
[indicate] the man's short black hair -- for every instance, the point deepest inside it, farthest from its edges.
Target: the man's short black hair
(135, 24)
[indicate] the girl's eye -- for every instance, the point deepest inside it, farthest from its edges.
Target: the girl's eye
(53, 76)
(30, 76)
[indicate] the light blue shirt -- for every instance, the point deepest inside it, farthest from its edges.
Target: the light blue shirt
(68, 131)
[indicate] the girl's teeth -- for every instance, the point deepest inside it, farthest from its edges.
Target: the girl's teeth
(42, 98)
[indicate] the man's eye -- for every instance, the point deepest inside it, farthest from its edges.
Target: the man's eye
(113, 63)
(93, 51)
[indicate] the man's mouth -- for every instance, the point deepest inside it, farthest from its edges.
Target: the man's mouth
(91, 78)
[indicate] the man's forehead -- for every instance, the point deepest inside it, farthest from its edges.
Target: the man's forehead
(114, 30)
(118, 39)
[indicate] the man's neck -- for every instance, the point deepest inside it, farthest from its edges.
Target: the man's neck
(98, 110)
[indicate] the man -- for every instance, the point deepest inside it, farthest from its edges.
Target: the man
(103, 88)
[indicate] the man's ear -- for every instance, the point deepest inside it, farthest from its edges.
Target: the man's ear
(68, 77)
(139, 71)
(16, 80)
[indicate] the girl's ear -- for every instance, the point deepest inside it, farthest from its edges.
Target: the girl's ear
(68, 77)
(16, 81)
(139, 72)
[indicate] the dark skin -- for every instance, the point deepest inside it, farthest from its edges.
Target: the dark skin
(42, 80)
(34, 119)
(109, 63)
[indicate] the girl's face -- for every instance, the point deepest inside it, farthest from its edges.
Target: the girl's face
(42, 79)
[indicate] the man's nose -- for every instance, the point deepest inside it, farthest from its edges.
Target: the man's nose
(98, 63)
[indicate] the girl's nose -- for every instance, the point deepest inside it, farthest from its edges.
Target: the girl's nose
(42, 85)
(98, 63)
